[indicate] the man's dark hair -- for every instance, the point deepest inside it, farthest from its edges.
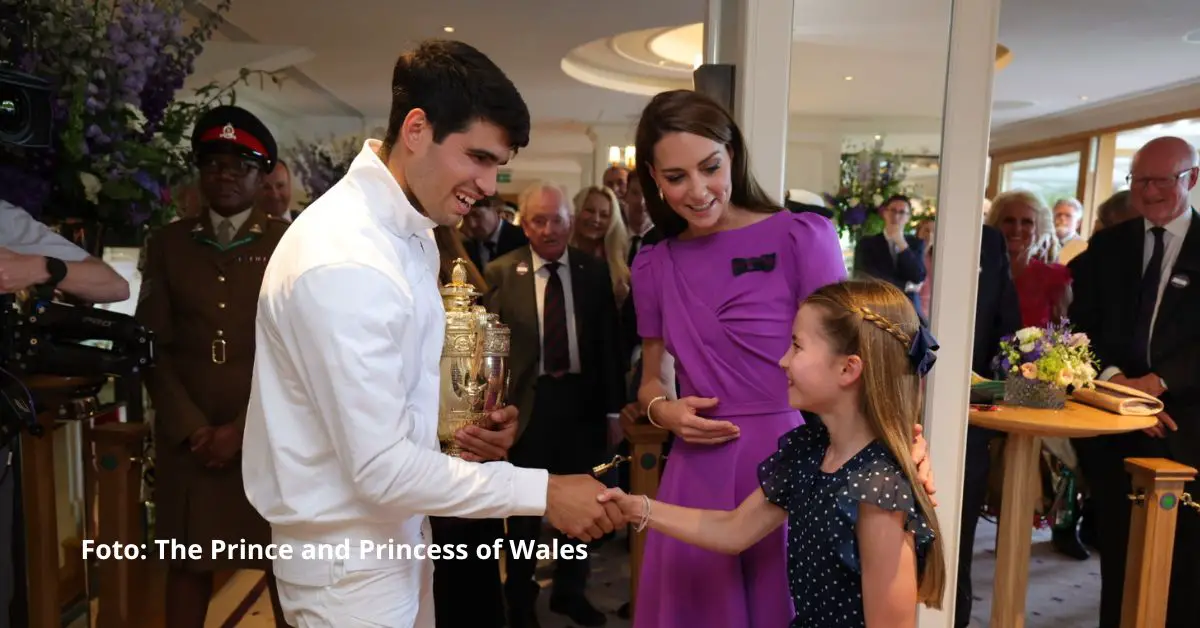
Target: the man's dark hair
(455, 85)
(898, 197)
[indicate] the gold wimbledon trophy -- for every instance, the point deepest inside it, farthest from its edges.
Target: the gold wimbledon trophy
(474, 365)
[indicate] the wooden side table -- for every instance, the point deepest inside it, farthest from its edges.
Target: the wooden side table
(1025, 428)
(645, 449)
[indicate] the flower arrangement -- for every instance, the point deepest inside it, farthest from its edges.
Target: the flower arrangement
(319, 166)
(868, 178)
(119, 142)
(1045, 361)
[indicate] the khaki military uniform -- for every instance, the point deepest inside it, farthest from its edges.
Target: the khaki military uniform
(200, 300)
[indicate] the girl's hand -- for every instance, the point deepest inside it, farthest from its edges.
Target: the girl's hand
(631, 505)
(680, 417)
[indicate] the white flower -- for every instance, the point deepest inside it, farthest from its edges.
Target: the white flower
(1028, 335)
(1029, 371)
(1027, 347)
(854, 202)
(877, 200)
(91, 186)
(1065, 377)
(138, 122)
(1079, 340)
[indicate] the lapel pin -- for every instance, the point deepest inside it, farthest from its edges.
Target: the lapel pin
(256, 229)
(1180, 281)
(197, 228)
(522, 268)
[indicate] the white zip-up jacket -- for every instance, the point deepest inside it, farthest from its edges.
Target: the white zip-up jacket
(341, 431)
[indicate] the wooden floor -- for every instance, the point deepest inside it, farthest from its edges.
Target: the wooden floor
(234, 590)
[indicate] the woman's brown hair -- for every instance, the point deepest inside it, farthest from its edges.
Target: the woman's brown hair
(686, 111)
(875, 321)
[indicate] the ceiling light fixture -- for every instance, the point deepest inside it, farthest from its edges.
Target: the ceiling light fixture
(1192, 37)
(626, 158)
(448, 29)
(849, 78)
(1083, 98)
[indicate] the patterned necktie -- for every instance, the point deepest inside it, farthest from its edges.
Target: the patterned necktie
(225, 232)
(556, 356)
(1147, 299)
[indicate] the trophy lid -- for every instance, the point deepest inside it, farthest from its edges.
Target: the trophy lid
(459, 294)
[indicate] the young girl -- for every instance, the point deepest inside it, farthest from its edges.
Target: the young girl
(863, 540)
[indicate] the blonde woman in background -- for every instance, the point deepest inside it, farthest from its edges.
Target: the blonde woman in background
(599, 230)
(1043, 294)
(1043, 285)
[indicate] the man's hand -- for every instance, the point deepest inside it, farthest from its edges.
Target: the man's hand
(920, 454)
(225, 444)
(481, 445)
(1165, 422)
(1150, 384)
(573, 508)
(18, 272)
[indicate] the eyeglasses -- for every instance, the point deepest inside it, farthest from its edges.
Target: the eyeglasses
(236, 167)
(1162, 183)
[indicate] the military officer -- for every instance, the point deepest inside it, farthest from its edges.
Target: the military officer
(199, 294)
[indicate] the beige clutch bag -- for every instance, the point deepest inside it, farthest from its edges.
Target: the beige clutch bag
(1119, 399)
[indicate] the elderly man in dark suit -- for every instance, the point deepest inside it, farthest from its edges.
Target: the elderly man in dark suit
(892, 256)
(1137, 294)
(566, 376)
(487, 236)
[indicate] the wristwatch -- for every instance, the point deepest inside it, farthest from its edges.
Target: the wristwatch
(57, 270)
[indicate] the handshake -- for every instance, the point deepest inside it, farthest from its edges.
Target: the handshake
(583, 508)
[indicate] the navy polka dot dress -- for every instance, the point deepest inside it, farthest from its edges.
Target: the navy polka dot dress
(823, 567)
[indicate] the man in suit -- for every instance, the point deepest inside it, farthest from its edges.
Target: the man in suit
(564, 359)
(997, 314)
(199, 293)
(489, 237)
(1137, 290)
(892, 256)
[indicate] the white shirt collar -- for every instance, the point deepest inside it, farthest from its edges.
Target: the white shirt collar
(494, 238)
(539, 262)
(237, 220)
(372, 174)
(1177, 228)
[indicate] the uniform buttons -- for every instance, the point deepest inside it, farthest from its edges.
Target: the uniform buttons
(220, 333)
(221, 278)
(221, 305)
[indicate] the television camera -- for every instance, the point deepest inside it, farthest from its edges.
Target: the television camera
(39, 336)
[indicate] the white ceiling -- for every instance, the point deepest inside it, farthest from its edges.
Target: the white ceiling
(342, 57)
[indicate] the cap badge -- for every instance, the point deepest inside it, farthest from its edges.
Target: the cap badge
(228, 133)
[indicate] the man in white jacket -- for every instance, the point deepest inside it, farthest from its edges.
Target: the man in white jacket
(340, 451)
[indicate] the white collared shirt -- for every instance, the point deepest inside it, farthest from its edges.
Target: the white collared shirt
(22, 233)
(237, 220)
(341, 430)
(541, 275)
(1173, 237)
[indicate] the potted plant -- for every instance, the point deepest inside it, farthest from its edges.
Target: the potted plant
(1041, 364)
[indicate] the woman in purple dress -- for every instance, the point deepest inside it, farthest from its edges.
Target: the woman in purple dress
(719, 294)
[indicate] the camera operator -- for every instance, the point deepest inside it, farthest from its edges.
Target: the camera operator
(32, 254)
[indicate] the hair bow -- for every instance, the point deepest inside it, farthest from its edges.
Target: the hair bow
(922, 353)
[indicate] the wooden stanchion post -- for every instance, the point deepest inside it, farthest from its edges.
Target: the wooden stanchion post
(119, 470)
(645, 446)
(1157, 495)
(41, 524)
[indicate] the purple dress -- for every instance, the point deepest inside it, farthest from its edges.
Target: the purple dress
(724, 305)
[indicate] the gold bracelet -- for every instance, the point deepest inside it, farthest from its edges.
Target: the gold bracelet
(645, 519)
(651, 405)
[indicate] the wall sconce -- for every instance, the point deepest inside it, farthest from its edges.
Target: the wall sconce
(626, 158)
